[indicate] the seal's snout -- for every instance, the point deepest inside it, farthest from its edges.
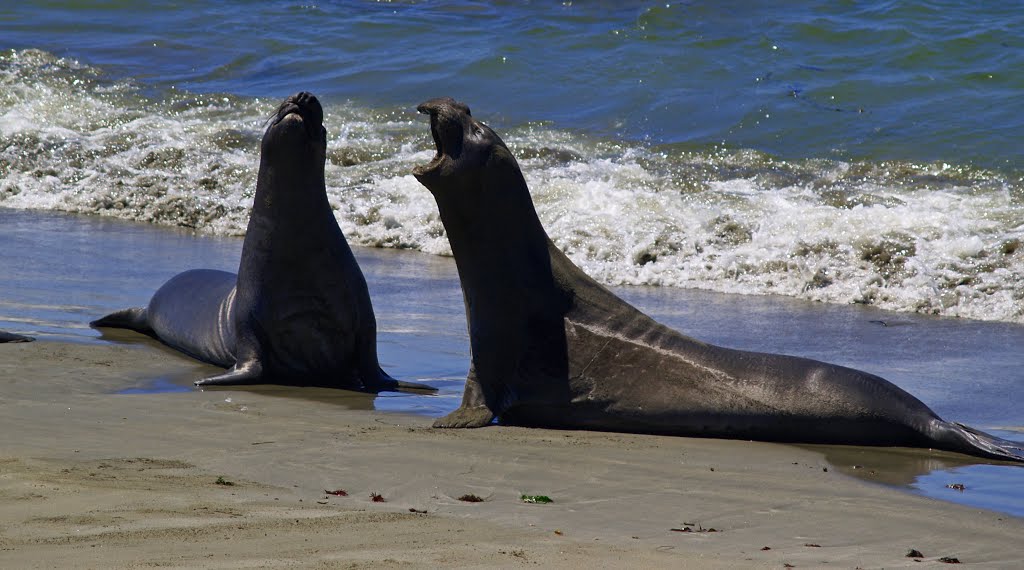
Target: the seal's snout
(307, 107)
(443, 106)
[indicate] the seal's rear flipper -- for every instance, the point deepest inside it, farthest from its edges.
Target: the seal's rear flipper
(133, 318)
(11, 337)
(974, 442)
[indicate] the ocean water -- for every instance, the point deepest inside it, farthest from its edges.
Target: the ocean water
(833, 151)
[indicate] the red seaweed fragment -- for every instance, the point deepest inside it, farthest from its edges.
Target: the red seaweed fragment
(337, 492)
(471, 498)
(376, 497)
(957, 487)
(812, 545)
(949, 560)
(766, 548)
(914, 553)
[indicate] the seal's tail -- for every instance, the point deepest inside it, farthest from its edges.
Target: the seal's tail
(133, 318)
(965, 439)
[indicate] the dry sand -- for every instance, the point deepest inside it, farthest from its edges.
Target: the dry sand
(91, 479)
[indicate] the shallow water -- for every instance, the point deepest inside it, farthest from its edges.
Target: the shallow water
(62, 271)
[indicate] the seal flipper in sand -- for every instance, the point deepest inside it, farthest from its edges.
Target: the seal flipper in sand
(298, 311)
(550, 347)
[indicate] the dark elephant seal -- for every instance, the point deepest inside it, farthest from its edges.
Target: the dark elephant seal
(11, 337)
(550, 347)
(298, 312)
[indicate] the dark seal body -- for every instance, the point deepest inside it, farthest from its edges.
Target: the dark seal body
(553, 348)
(299, 311)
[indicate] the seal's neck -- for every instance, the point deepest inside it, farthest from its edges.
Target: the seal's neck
(506, 261)
(496, 238)
(292, 190)
(290, 215)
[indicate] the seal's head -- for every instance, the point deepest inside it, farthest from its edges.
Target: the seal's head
(297, 124)
(293, 153)
(465, 147)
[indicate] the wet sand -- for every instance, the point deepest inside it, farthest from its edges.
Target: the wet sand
(93, 479)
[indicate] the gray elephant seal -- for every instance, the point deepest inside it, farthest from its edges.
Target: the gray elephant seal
(11, 337)
(550, 347)
(298, 312)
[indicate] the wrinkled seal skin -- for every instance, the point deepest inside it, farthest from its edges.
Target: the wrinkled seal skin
(12, 337)
(298, 312)
(550, 347)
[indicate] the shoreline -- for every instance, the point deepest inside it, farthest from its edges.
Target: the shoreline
(122, 480)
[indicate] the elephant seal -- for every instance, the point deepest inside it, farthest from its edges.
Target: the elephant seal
(11, 337)
(550, 347)
(298, 312)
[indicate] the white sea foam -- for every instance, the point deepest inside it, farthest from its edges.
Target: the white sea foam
(937, 238)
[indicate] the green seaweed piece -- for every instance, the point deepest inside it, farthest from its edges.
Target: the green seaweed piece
(541, 499)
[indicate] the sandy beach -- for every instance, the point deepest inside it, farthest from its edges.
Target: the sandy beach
(237, 479)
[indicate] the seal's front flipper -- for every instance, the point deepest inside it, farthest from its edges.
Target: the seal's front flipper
(249, 373)
(386, 383)
(477, 416)
(134, 319)
(474, 411)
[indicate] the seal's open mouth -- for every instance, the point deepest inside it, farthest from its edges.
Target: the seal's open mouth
(438, 144)
(447, 117)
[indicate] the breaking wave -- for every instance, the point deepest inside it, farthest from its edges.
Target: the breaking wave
(935, 238)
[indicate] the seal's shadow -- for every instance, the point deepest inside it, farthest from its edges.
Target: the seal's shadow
(894, 466)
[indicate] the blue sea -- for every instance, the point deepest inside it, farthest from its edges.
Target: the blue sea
(863, 156)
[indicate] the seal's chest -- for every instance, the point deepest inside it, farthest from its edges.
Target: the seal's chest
(317, 351)
(306, 335)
